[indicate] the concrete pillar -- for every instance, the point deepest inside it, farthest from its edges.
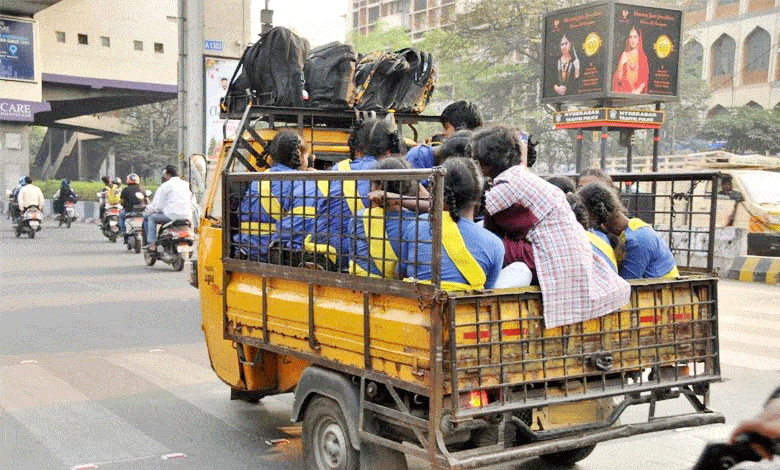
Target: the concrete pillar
(82, 172)
(111, 162)
(14, 153)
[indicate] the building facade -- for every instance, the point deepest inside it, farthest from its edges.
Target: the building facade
(415, 16)
(736, 44)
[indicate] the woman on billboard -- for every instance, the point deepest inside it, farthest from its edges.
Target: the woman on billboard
(632, 71)
(568, 68)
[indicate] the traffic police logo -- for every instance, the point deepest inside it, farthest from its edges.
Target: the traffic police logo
(663, 46)
(592, 44)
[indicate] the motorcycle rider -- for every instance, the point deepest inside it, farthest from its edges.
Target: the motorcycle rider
(172, 201)
(29, 195)
(13, 203)
(64, 194)
(103, 194)
(132, 199)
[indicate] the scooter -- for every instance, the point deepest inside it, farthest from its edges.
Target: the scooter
(134, 231)
(173, 246)
(110, 225)
(29, 222)
(68, 214)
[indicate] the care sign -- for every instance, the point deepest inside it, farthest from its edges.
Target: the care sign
(24, 111)
(17, 57)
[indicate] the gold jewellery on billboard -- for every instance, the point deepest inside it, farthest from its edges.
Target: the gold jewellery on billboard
(663, 46)
(592, 44)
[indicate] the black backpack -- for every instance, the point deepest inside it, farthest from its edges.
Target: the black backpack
(328, 74)
(401, 81)
(272, 70)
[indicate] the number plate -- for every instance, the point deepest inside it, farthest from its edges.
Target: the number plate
(184, 248)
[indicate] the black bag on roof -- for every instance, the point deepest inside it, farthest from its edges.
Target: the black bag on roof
(328, 74)
(401, 81)
(272, 70)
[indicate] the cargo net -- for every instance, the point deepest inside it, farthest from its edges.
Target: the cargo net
(319, 220)
(502, 355)
(680, 207)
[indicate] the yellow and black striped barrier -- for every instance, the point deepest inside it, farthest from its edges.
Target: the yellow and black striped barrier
(756, 269)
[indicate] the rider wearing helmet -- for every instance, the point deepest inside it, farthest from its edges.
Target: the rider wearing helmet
(133, 199)
(64, 194)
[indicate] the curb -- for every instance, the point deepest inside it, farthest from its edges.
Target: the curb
(762, 269)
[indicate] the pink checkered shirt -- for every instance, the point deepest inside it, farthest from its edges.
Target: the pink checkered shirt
(577, 284)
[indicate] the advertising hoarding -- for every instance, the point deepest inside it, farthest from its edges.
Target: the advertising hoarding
(17, 49)
(617, 52)
(218, 74)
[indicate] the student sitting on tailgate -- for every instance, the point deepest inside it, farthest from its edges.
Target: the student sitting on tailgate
(471, 256)
(266, 203)
(376, 232)
(644, 253)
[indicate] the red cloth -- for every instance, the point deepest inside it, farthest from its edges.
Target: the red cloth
(577, 284)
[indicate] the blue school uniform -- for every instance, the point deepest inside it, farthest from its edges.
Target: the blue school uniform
(646, 254)
(262, 205)
(472, 256)
(345, 199)
(602, 247)
(377, 255)
(301, 219)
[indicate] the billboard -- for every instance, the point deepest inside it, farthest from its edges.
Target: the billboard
(218, 75)
(17, 49)
(616, 52)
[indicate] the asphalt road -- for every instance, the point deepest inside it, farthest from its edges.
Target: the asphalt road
(103, 365)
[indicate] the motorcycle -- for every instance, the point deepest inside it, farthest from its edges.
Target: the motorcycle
(173, 246)
(110, 225)
(68, 214)
(134, 231)
(29, 222)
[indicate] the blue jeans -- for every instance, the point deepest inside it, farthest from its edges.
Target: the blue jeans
(150, 225)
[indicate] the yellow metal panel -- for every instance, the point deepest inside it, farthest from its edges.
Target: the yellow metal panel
(222, 354)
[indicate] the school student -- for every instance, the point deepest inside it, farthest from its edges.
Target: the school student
(471, 257)
(376, 232)
(644, 254)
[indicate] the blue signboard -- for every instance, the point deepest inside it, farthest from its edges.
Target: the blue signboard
(17, 49)
(213, 45)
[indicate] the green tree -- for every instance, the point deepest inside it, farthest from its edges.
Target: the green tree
(745, 130)
(151, 142)
(37, 135)
(684, 118)
(382, 38)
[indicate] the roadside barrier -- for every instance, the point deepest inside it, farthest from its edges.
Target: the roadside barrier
(763, 269)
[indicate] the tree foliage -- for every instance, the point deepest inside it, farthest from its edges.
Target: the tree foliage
(745, 130)
(382, 38)
(151, 142)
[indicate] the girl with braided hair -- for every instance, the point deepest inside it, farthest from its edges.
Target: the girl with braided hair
(576, 283)
(278, 210)
(471, 257)
(644, 253)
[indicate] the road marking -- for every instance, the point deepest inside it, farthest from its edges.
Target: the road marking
(748, 361)
(86, 466)
(29, 361)
(174, 456)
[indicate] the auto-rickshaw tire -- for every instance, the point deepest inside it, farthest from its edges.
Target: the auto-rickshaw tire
(323, 420)
(31, 234)
(569, 457)
(68, 222)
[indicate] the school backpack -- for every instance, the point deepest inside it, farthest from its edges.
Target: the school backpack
(328, 72)
(401, 81)
(271, 70)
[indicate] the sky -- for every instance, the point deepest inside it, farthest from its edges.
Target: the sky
(319, 21)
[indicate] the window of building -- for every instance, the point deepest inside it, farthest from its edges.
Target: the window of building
(138, 45)
(420, 5)
(373, 14)
(83, 39)
(354, 20)
(757, 50)
(60, 35)
(723, 55)
(105, 41)
(158, 48)
(693, 55)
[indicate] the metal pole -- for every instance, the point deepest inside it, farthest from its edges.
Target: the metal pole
(181, 72)
(579, 151)
(196, 115)
(628, 153)
(604, 147)
(656, 139)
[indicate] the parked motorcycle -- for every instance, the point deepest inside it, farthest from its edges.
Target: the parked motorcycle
(29, 222)
(68, 214)
(134, 231)
(110, 225)
(173, 246)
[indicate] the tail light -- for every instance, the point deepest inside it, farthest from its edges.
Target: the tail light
(474, 399)
(114, 211)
